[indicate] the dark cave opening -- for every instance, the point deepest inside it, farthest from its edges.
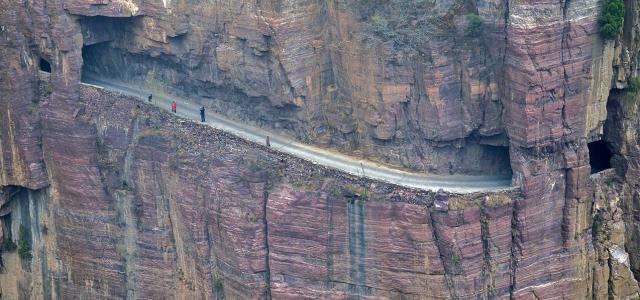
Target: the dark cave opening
(497, 158)
(44, 65)
(599, 156)
(91, 59)
(9, 193)
(102, 38)
(15, 210)
(5, 222)
(603, 146)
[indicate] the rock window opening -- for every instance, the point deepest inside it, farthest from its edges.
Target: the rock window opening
(5, 231)
(599, 156)
(45, 66)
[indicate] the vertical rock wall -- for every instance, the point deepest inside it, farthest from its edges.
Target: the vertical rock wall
(316, 70)
(125, 202)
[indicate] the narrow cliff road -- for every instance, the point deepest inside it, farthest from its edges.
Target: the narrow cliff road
(189, 109)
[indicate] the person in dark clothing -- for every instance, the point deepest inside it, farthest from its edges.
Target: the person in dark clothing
(268, 142)
(202, 114)
(150, 97)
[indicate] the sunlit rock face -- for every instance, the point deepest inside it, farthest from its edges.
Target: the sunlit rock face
(116, 199)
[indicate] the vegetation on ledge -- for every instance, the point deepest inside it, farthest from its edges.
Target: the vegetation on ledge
(24, 249)
(634, 84)
(474, 27)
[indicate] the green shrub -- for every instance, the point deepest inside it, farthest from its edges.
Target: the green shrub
(217, 285)
(474, 27)
(634, 84)
(253, 218)
(48, 88)
(612, 18)
(33, 107)
(381, 26)
(8, 245)
(24, 249)
(455, 259)
(403, 24)
(359, 191)
(303, 184)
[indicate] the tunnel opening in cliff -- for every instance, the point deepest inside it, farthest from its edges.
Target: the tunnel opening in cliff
(10, 198)
(91, 58)
(101, 54)
(599, 156)
(44, 65)
(5, 229)
(496, 160)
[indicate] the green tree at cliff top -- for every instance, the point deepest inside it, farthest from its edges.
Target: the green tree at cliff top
(612, 18)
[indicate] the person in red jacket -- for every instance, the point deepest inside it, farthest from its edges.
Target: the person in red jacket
(173, 106)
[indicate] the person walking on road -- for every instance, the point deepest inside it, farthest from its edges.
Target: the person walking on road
(150, 97)
(202, 114)
(174, 106)
(268, 142)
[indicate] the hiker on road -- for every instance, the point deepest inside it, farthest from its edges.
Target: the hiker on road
(150, 97)
(268, 142)
(173, 106)
(202, 114)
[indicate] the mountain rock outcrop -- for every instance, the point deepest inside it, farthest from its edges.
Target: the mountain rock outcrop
(104, 196)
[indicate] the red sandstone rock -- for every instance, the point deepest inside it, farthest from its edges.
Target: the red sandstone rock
(127, 202)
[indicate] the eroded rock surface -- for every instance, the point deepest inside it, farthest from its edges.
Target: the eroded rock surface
(115, 199)
(187, 211)
(318, 71)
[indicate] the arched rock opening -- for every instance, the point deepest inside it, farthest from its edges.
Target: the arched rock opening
(599, 156)
(44, 65)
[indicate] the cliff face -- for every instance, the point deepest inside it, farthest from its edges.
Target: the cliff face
(114, 199)
(180, 210)
(427, 99)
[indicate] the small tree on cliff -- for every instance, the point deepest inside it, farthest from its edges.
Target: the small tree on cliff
(634, 84)
(474, 27)
(381, 26)
(24, 249)
(612, 18)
